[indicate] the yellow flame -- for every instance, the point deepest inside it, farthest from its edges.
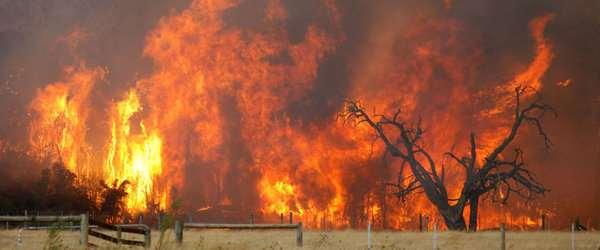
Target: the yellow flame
(279, 194)
(136, 157)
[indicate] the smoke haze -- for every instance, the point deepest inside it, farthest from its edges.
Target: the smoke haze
(438, 60)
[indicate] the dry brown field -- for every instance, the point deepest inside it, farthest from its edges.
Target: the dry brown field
(350, 239)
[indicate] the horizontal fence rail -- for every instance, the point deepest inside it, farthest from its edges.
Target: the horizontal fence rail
(127, 228)
(86, 227)
(179, 228)
(42, 218)
(82, 219)
(32, 228)
(240, 226)
(116, 240)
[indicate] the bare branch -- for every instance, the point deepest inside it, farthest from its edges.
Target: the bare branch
(462, 161)
(511, 177)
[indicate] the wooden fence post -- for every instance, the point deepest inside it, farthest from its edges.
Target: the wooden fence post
(435, 236)
(420, 223)
(118, 235)
(544, 222)
(159, 220)
(369, 236)
(178, 232)
(281, 217)
(502, 237)
(251, 218)
(148, 238)
(572, 236)
(291, 222)
(83, 225)
(19, 240)
(298, 234)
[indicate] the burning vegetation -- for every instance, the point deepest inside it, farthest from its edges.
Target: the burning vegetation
(247, 107)
(493, 173)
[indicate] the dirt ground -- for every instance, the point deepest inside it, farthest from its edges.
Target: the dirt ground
(351, 239)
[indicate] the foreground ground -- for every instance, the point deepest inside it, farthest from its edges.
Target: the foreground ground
(216, 239)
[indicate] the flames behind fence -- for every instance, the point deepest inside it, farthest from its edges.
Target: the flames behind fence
(236, 115)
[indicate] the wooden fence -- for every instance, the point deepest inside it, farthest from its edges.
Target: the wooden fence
(179, 228)
(85, 230)
(122, 228)
(82, 219)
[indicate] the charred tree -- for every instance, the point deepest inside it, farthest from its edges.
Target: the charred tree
(492, 173)
(113, 206)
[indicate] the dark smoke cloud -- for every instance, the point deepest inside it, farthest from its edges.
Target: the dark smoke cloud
(501, 28)
(573, 164)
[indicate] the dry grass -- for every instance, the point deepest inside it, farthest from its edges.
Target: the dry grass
(219, 239)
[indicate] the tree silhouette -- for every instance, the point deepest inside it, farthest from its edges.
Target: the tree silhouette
(494, 173)
(113, 207)
(57, 189)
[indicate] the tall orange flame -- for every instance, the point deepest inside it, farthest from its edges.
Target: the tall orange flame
(59, 124)
(216, 108)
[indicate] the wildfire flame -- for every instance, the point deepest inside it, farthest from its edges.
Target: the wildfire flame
(136, 157)
(59, 125)
(210, 79)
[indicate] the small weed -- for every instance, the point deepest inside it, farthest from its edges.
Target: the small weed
(200, 243)
(275, 246)
(323, 241)
(166, 223)
(55, 240)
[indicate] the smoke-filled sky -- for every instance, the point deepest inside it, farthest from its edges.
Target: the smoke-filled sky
(476, 44)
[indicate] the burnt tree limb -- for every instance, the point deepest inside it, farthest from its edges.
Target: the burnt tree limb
(482, 175)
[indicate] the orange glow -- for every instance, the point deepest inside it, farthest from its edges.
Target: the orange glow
(534, 72)
(136, 157)
(278, 196)
(59, 123)
(209, 79)
(565, 83)
(544, 55)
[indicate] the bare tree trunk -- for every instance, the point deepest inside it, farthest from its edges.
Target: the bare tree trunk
(453, 217)
(509, 175)
(474, 208)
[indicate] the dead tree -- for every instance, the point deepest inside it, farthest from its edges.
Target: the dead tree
(113, 201)
(493, 173)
